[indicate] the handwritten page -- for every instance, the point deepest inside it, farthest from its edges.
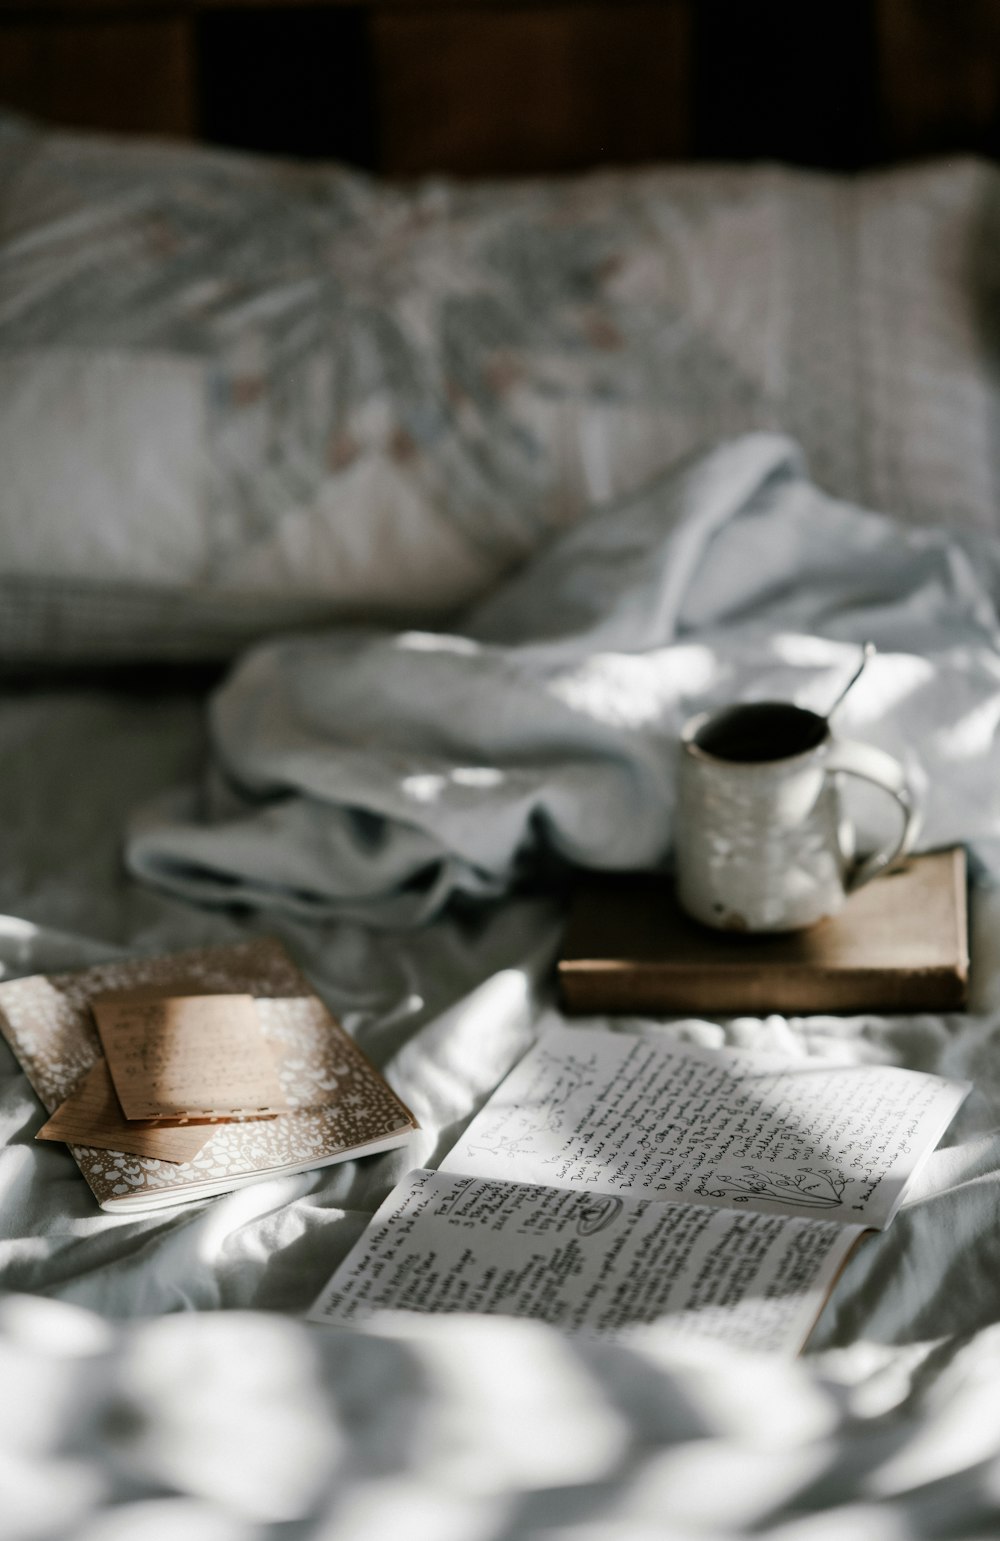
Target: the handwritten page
(188, 1056)
(92, 1116)
(617, 1113)
(600, 1265)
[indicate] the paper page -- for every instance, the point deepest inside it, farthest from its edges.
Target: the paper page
(193, 1055)
(92, 1116)
(617, 1113)
(590, 1264)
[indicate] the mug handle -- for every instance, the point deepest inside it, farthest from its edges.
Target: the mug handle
(874, 765)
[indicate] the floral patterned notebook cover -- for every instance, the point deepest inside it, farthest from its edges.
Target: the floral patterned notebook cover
(340, 1106)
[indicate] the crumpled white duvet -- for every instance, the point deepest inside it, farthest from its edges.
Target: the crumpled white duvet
(379, 773)
(154, 1378)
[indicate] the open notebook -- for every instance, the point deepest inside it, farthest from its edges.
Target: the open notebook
(338, 1106)
(614, 1180)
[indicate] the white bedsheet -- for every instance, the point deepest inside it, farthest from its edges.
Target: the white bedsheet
(163, 1386)
(380, 772)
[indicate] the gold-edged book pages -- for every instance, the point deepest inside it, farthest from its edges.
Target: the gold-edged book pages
(340, 1106)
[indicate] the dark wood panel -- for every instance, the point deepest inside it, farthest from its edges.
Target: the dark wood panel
(497, 86)
(73, 9)
(783, 80)
(120, 75)
(198, 7)
(940, 75)
(509, 89)
(294, 82)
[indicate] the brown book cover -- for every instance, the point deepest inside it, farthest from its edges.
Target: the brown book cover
(900, 944)
(340, 1106)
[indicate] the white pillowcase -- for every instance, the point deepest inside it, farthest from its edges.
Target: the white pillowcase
(238, 394)
(104, 463)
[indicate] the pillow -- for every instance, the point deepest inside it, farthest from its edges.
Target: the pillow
(239, 395)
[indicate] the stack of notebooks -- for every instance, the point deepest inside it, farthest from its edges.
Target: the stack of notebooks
(179, 1077)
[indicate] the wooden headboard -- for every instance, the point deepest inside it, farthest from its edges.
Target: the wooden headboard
(497, 86)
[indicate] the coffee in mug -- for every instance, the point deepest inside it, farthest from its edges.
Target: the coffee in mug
(762, 839)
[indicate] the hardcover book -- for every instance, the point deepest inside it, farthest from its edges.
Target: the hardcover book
(899, 944)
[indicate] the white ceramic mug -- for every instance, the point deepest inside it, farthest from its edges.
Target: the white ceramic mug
(762, 841)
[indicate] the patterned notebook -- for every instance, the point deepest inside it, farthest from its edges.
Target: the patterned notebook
(340, 1106)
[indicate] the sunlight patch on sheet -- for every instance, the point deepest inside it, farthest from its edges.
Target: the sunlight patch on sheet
(164, 1519)
(459, 1057)
(43, 1498)
(957, 1434)
(14, 926)
(233, 1412)
(53, 1326)
(635, 691)
(21, 933)
(477, 776)
(888, 680)
(545, 1424)
(429, 786)
(812, 652)
(972, 735)
(708, 1483)
(859, 1522)
(425, 787)
(406, 1507)
(437, 642)
(771, 1402)
(240, 1208)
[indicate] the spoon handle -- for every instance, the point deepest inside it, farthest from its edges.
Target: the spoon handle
(868, 651)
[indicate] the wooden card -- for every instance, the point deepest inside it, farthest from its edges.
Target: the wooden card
(899, 944)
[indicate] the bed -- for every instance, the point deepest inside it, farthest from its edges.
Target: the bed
(382, 488)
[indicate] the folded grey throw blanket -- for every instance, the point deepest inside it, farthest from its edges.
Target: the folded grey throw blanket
(378, 773)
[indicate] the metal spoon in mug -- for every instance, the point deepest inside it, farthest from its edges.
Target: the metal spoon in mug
(868, 651)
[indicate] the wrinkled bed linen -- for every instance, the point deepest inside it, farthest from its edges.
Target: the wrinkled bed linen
(382, 773)
(155, 1379)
